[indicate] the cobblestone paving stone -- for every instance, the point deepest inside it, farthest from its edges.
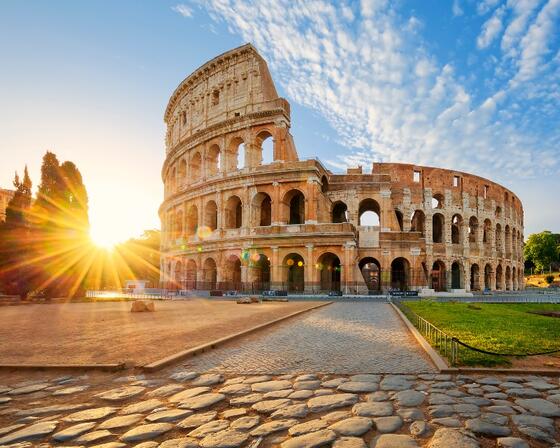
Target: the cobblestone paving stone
(342, 337)
(323, 417)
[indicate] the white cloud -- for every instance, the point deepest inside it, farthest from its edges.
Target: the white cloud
(371, 76)
(491, 29)
(183, 9)
(485, 6)
(456, 9)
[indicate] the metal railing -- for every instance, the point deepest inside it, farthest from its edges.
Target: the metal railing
(446, 344)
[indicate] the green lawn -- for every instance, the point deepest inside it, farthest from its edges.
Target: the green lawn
(502, 328)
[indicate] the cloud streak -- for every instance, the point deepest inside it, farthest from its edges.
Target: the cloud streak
(368, 70)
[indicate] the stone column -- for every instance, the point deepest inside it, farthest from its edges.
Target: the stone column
(386, 209)
(275, 206)
(220, 210)
(347, 278)
(311, 201)
(275, 269)
(309, 269)
(467, 275)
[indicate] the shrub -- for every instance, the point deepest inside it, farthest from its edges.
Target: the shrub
(549, 279)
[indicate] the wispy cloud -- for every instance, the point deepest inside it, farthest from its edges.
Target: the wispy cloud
(491, 29)
(456, 9)
(183, 9)
(368, 70)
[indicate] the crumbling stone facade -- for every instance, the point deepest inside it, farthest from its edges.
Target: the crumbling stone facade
(233, 219)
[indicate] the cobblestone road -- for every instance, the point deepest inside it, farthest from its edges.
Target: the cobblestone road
(349, 337)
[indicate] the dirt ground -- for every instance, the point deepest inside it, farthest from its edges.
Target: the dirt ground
(107, 332)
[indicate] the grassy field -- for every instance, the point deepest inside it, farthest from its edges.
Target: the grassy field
(502, 328)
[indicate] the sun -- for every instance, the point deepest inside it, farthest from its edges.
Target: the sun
(103, 239)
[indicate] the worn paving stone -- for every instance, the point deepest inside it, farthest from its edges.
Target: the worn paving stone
(121, 421)
(409, 398)
(142, 406)
(208, 379)
(394, 441)
(73, 431)
(539, 406)
(447, 438)
(183, 376)
(349, 442)
(536, 433)
(201, 401)
(311, 440)
(92, 437)
(353, 426)
(209, 428)
(183, 442)
(228, 438)
(196, 420)
(32, 432)
(385, 425)
(11, 428)
(165, 390)
(273, 426)
(235, 412)
(122, 393)
(308, 426)
(392, 382)
(300, 395)
(307, 385)
(90, 414)
(479, 426)
(52, 409)
(29, 389)
(69, 390)
(189, 393)
(358, 387)
(245, 423)
(373, 409)
(328, 402)
(511, 442)
(533, 420)
(291, 411)
(449, 422)
(269, 386)
(235, 389)
(410, 414)
(246, 399)
(420, 428)
(168, 415)
(269, 406)
(144, 432)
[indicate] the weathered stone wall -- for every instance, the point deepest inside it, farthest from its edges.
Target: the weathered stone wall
(231, 221)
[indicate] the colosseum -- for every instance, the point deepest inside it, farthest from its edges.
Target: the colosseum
(242, 212)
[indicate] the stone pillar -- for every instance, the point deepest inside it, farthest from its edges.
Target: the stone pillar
(467, 275)
(311, 201)
(309, 269)
(220, 210)
(275, 269)
(347, 277)
(386, 209)
(276, 219)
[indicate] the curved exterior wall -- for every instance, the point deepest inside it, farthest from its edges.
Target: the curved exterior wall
(230, 221)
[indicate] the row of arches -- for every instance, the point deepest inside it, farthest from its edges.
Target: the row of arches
(237, 154)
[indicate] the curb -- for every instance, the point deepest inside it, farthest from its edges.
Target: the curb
(164, 362)
(436, 358)
(99, 367)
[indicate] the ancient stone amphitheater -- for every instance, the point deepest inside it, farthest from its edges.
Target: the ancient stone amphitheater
(243, 212)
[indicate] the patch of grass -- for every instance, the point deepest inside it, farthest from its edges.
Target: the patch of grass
(502, 328)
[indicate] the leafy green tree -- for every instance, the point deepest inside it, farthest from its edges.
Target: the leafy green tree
(16, 267)
(542, 249)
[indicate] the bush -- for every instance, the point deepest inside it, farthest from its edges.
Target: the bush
(549, 279)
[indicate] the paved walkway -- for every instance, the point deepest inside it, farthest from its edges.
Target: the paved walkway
(344, 337)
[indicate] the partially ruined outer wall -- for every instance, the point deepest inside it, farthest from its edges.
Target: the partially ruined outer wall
(212, 211)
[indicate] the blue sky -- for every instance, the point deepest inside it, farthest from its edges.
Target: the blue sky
(465, 84)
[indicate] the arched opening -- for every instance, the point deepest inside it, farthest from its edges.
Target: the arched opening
(507, 240)
(400, 273)
(260, 265)
(265, 144)
(294, 206)
(236, 154)
(508, 278)
(514, 278)
(262, 210)
(499, 277)
(371, 271)
(488, 277)
(234, 213)
(190, 277)
(456, 227)
(473, 229)
(213, 157)
(418, 222)
(438, 224)
(439, 282)
(399, 216)
(499, 245)
(437, 201)
(339, 212)
(209, 274)
(178, 279)
(211, 215)
(369, 213)
(456, 276)
(294, 276)
(475, 277)
(324, 184)
(178, 225)
(486, 234)
(192, 220)
(194, 166)
(329, 272)
(233, 273)
(182, 172)
(498, 212)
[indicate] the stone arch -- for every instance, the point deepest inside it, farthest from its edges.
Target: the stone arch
(475, 277)
(498, 212)
(508, 278)
(371, 271)
(182, 172)
(294, 272)
(488, 276)
(260, 271)
(211, 215)
(195, 167)
(190, 275)
(213, 160)
(329, 268)
(173, 180)
(233, 213)
(473, 229)
(178, 227)
(438, 226)
(418, 222)
(438, 201)
(487, 232)
(514, 278)
(209, 274)
(439, 276)
(507, 240)
(264, 147)
(400, 219)
(400, 273)
(324, 184)
(498, 238)
(294, 207)
(339, 212)
(262, 210)
(457, 275)
(232, 274)
(369, 213)
(192, 220)
(456, 229)
(236, 154)
(499, 277)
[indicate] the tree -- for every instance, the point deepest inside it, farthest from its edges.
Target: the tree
(16, 267)
(542, 249)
